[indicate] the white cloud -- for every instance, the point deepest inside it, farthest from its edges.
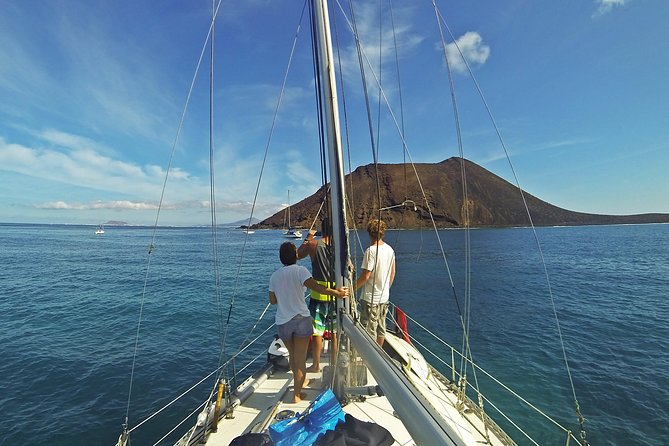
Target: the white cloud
(98, 205)
(77, 161)
(471, 46)
(525, 149)
(605, 6)
(235, 207)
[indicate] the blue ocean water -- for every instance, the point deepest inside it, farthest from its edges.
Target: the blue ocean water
(69, 305)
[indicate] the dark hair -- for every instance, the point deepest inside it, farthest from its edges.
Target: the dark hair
(326, 230)
(288, 253)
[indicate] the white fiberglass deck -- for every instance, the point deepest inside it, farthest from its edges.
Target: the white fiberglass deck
(276, 393)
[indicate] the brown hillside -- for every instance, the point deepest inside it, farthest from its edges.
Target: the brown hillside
(492, 200)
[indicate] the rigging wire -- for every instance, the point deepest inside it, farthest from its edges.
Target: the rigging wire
(350, 197)
(361, 56)
(439, 340)
(262, 168)
(465, 199)
(155, 226)
(581, 419)
(158, 211)
(411, 162)
(212, 192)
(209, 375)
(243, 344)
(320, 113)
(358, 45)
(402, 127)
(399, 92)
(373, 143)
(378, 102)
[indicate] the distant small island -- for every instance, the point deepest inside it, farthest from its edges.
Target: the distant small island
(491, 200)
(243, 223)
(115, 223)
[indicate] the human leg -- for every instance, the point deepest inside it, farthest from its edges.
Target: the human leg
(290, 346)
(301, 334)
(381, 315)
(316, 349)
(295, 335)
(367, 317)
(318, 312)
(300, 345)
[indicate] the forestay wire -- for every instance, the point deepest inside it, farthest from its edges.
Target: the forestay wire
(212, 185)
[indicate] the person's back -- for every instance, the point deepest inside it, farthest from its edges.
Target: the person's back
(376, 278)
(287, 284)
(380, 260)
(321, 262)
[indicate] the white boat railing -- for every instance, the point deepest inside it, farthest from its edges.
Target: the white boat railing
(197, 384)
(456, 375)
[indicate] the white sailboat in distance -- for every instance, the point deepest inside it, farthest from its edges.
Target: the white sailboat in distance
(289, 231)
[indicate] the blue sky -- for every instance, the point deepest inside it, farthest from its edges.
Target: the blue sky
(92, 92)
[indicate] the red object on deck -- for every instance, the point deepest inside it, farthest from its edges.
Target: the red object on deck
(401, 321)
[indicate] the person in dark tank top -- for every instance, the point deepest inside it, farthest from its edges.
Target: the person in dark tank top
(321, 306)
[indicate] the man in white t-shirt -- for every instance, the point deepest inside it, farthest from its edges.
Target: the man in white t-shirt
(378, 274)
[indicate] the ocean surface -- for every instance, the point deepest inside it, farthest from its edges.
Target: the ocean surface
(70, 303)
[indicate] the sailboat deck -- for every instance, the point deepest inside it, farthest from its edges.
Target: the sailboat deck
(258, 411)
(275, 394)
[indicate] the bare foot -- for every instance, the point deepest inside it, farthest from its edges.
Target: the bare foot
(298, 398)
(313, 368)
(306, 382)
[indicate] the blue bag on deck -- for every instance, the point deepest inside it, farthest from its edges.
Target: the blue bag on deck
(303, 429)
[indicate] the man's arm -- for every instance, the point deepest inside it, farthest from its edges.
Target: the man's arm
(272, 298)
(308, 247)
(392, 272)
(313, 285)
(364, 277)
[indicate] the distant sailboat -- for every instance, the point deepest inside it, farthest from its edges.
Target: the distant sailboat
(99, 230)
(290, 232)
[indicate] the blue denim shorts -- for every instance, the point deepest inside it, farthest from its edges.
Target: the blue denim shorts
(299, 326)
